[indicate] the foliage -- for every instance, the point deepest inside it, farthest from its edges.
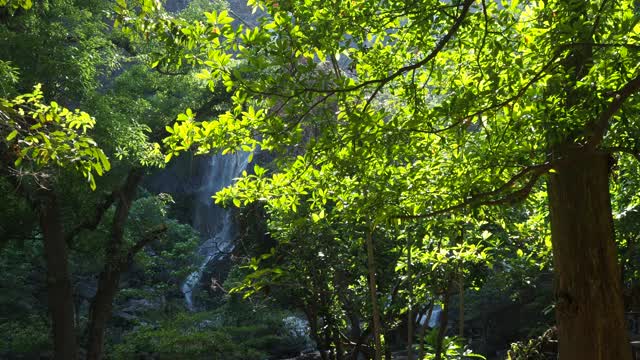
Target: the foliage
(8, 77)
(20, 287)
(625, 202)
(533, 349)
(427, 124)
(27, 336)
(78, 51)
(16, 4)
(224, 334)
(453, 348)
(47, 135)
(424, 128)
(69, 47)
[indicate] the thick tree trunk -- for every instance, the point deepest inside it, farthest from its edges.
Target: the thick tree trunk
(588, 290)
(116, 263)
(59, 290)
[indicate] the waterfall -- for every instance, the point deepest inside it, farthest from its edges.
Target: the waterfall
(214, 223)
(435, 317)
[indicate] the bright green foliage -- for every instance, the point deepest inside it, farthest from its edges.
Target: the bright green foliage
(16, 4)
(137, 106)
(50, 135)
(625, 204)
(453, 348)
(410, 114)
(387, 118)
(69, 47)
(383, 114)
(440, 108)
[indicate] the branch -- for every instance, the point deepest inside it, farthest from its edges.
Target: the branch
(439, 46)
(171, 73)
(539, 74)
(598, 128)
(533, 168)
(596, 23)
(93, 222)
(484, 198)
(150, 236)
(627, 46)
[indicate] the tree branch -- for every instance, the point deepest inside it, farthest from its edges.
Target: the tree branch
(598, 128)
(150, 236)
(93, 222)
(439, 46)
(485, 198)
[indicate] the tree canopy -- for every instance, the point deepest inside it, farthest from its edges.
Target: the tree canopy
(417, 150)
(394, 111)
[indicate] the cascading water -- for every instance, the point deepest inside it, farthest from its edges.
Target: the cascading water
(214, 223)
(435, 317)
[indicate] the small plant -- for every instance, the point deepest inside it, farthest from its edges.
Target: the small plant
(538, 348)
(453, 348)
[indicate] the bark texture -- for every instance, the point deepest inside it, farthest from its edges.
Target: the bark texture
(116, 262)
(59, 290)
(373, 292)
(588, 289)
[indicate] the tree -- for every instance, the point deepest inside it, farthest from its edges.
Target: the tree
(450, 106)
(44, 146)
(48, 136)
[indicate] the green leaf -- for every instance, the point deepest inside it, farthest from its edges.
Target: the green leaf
(12, 135)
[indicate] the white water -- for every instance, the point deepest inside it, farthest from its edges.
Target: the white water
(435, 317)
(214, 223)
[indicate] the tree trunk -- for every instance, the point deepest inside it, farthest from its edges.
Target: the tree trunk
(410, 319)
(116, 262)
(59, 290)
(374, 297)
(588, 290)
(461, 305)
(422, 331)
(312, 317)
(444, 320)
(100, 312)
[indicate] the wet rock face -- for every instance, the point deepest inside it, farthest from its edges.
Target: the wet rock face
(134, 309)
(176, 5)
(192, 181)
(238, 9)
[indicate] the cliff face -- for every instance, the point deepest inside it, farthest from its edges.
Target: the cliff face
(238, 8)
(176, 5)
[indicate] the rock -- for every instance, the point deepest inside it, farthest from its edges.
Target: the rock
(141, 305)
(306, 356)
(86, 289)
(133, 308)
(296, 326)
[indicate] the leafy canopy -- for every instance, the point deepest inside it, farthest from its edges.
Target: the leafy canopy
(50, 135)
